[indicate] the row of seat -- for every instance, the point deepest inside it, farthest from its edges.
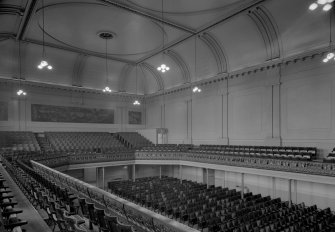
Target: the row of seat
(133, 139)
(68, 211)
(220, 209)
(18, 141)
(168, 147)
(9, 213)
(263, 154)
(331, 157)
(82, 141)
(299, 153)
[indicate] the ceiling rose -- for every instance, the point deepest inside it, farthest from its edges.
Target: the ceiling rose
(106, 34)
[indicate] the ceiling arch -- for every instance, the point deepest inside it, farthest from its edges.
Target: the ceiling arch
(233, 35)
(78, 69)
(181, 64)
(268, 29)
(123, 76)
(217, 50)
(155, 74)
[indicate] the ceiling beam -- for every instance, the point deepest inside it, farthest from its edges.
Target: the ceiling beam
(147, 15)
(79, 51)
(246, 7)
(28, 13)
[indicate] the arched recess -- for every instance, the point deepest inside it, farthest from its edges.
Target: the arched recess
(268, 29)
(122, 78)
(181, 64)
(155, 74)
(217, 51)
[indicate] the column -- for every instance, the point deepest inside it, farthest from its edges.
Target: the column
(290, 192)
(97, 177)
(273, 126)
(207, 179)
(103, 178)
(160, 171)
(134, 172)
(242, 185)
(273, 187)
(295, 182)
(224, 179)
(181, 174)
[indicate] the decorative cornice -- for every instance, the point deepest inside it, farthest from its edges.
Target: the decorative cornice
(15, 82)
(267, 65)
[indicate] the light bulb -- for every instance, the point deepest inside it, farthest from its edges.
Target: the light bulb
(330, 1)
(163, 70)
(44, 63)
(313, 6)
(39, 66)
(322, 2)
(49, 67)
(24, 93)
(167, 68)
(330, 55)
(163, 66)
(325, 60)
(159, 68)
(199, 90)
(327, 7)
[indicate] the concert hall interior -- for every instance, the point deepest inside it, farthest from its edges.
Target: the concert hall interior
(167, 116)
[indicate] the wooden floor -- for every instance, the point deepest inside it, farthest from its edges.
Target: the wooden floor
(30, 214)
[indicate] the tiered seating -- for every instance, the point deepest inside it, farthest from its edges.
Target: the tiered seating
(83, 141)
(18, 141)
(302, 153)
(8, 212)
(57, 202)
(331, 157)
(221, 209)
(168, 147)
(133, 139)
(44, 143)
(67, 212)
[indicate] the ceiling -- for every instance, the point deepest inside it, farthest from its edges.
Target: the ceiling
(202, 39)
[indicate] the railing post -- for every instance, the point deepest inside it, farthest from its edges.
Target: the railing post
(181, 173)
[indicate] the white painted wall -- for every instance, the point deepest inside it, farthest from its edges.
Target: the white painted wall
(147, 171)
(117, 173)
(19, 111)
(292, 105)
(192, 173)
(90, 175)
